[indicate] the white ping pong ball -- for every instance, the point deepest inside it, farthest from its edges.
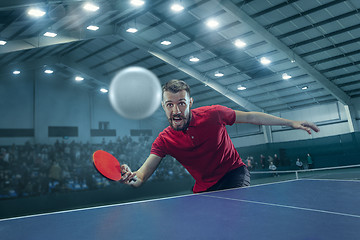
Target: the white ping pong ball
(135, 93)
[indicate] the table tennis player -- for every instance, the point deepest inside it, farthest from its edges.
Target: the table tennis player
(198, 139)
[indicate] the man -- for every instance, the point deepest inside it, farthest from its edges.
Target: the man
(299, 164)
(198, 139)
(310, 162)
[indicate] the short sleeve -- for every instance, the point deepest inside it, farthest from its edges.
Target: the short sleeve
(226, 115)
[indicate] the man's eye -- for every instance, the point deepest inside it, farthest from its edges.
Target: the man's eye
(169, 105)
(182, 104)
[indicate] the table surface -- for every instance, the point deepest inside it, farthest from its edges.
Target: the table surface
(299, 209)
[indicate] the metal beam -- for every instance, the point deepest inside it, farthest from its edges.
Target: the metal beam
(6, 5)
(63, 37)
(268, 137)
(28, 65)
(240, 15)
(86, 72)
(150, 48)
(65, 60)
(351, 118)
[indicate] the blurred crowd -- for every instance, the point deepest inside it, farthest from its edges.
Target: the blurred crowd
(38, 169)
(274, 162)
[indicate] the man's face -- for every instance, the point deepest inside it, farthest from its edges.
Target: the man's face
(177, 108)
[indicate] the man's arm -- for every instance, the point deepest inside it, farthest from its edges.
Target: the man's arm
(260, 118)
(144, 172)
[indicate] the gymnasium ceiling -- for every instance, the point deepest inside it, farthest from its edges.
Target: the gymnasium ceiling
(315, 42)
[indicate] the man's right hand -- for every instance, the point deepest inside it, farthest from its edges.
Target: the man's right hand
(141, 175)
(128, 177)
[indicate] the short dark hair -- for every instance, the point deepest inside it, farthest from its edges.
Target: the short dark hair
(175, 86)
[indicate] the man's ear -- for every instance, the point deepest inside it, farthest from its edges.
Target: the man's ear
(191, 102)
(163, 105)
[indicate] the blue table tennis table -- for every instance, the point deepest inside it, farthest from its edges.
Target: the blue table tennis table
(298, 209)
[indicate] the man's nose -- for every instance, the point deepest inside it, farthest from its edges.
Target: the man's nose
(176, 109)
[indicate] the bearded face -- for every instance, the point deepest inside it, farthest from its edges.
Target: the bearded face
(177, 108)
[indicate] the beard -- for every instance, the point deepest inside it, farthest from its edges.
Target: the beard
(179, 118)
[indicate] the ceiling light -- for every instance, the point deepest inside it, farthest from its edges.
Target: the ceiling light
(166, 42)
(176, 7)
(218, 74)
(304, 87)
(92, 28)
(241, 88)
(78, 78)
(50, 34)
(137, 3)
(91, 7)
(265, 61)
(16, 72)
(2, 42)
(239, 43)
(48, 71)
(212, 23)
(132, 30)
(292, 60)
(193, 59)
(36, 12)
(285, 76)
(104, 90)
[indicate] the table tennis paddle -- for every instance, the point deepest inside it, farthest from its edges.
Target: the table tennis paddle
(107, 165)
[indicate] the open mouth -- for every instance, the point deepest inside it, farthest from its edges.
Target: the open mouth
(177, 120)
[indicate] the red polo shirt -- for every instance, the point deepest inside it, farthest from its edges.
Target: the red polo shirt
(205, 148)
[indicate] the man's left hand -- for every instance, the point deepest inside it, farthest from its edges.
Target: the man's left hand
(304, 125)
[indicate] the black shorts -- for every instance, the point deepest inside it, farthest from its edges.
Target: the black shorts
(239, 177)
